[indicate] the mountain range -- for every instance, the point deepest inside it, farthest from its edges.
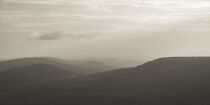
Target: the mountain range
(17, 73)
(79, 66)
(163, 81)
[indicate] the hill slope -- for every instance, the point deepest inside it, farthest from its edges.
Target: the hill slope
(79, 66)
(9, 64)
(165, 81)
(99, 65)
(30, 75)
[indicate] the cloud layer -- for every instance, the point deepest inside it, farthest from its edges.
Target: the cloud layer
(131, 27)
(46, 36)
(56, 35)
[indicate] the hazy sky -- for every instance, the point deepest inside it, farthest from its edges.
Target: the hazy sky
(134, 29)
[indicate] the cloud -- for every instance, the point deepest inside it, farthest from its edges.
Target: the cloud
(55, 35)
(50, 2)
(83, 35)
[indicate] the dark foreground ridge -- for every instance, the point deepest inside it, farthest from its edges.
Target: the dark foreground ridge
(164, 81)
(13, 79)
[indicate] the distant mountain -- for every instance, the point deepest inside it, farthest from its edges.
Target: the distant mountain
(100, 65)
(120, 63)
(96, 66)
(91, 66)
(84, 67)
(32, 74)
(9, 64)
(164, 81)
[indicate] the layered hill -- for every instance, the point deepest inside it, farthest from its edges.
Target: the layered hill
(24, 72)
(164, 81)
(78, 66)
(10, 64)
(19, 77)
(99, 65)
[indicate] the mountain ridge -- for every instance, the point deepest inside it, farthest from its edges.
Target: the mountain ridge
(164, 81)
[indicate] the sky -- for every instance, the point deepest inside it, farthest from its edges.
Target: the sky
(130, 29)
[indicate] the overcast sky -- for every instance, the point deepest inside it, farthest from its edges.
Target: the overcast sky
(130, 29)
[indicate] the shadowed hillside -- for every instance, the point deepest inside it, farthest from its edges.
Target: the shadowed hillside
(15, 78)
(165, 81)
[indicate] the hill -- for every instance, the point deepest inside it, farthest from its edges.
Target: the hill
(63, 64)
(80, 66)
(99, 65)
(164, 81)
(121, 63)
(19, 77)
(90, 66)
(9, 64)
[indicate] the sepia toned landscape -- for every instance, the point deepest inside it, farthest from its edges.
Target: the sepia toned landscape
(104, 52)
